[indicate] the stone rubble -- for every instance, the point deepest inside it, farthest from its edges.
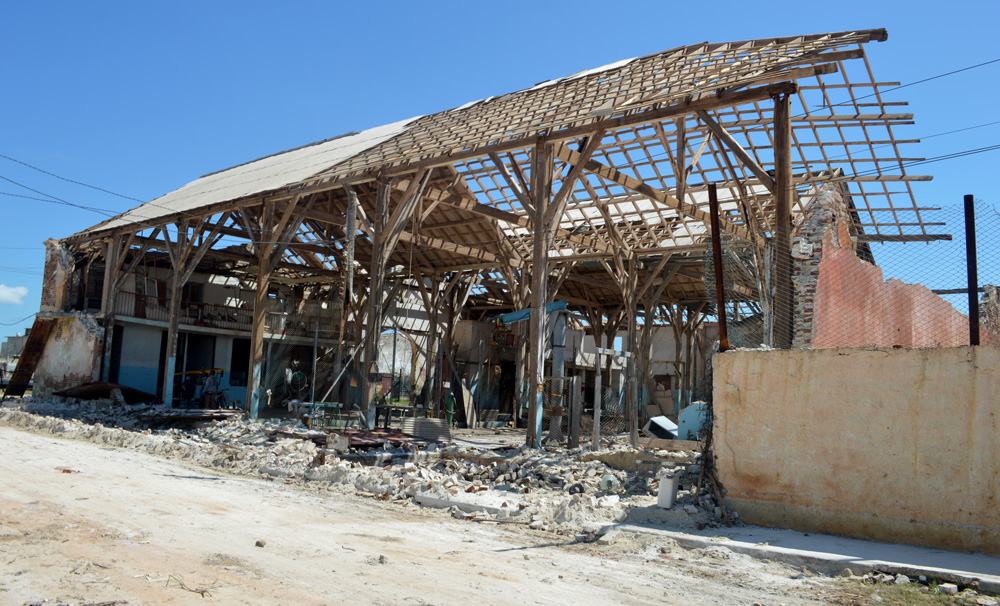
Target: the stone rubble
(551, 489)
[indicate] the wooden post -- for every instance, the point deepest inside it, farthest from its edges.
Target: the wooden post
(254, 387)
(351, 230)
(174, 310)
(541, 177)
(784, 191)
(112, 252)
(632, 393)
(376, 286)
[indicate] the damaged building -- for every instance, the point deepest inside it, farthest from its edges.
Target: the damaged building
(546, 255)
(591, 191)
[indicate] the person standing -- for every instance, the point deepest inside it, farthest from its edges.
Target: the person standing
(210, 387)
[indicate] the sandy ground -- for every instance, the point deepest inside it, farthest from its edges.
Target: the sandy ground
(86, 524)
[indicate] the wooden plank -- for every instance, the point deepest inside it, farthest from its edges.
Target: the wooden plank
(34, 347)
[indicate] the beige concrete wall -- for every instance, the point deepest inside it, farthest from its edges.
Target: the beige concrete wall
(888, 444)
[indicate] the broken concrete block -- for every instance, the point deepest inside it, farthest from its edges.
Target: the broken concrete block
(948, 588)
(609, 537)
(608, 500)
(902, 579)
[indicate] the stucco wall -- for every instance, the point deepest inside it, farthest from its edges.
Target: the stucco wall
(894, 445)
(72, 355)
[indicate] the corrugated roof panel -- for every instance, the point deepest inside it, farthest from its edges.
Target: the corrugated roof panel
(265, 174)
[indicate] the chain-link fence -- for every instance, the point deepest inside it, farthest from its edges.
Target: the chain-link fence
(847, 281)
(558, 402)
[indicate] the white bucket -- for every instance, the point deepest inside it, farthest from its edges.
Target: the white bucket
(667, 493)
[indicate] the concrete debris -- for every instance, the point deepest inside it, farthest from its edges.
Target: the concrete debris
(948, 588)
(552, 489)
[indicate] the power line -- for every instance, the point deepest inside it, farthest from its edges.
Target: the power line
(19, 321)
(56, 200)
(51, 174)
(914, 83)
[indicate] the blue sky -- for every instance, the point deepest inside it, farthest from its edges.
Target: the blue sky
(141, 98)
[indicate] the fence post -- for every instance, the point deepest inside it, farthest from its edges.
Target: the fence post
(972, 269)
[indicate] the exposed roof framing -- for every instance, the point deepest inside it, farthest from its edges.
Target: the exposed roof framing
(635, 145)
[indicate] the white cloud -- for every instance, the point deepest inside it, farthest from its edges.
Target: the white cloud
(13, 294)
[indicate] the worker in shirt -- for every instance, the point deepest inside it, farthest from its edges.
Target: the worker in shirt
(209, 387)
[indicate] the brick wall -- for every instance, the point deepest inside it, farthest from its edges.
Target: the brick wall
(58, 269)
(826, 218)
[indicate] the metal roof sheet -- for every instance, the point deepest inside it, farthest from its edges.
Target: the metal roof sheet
(261, 175)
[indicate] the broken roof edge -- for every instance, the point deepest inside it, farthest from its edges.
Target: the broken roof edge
(280, 169)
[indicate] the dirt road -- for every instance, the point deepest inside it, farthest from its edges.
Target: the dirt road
(85, 524)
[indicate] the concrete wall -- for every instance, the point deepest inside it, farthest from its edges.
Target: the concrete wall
(72, 355)
(887, 444)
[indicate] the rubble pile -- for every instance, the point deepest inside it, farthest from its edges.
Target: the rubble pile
(554, 489)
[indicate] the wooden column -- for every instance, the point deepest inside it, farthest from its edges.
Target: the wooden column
(185, 255)
(784, 192)
(632, 391)
(376, 284)
(541, 177)
(173, 313)
(270, 238)
(347, 272)
(257, 341)
(112, 261)
(117, 279)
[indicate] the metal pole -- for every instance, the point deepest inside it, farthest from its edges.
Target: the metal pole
(720, 284)
(312, 387)
(480, 382)
(595, 440)
(972, 269)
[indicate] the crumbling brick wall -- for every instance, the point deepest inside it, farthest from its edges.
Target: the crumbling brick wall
(72, 355)
(826, 216)
(842, 299)
(56, 279)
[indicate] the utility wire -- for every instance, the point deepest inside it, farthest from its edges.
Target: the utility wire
(41, 170)
(19, 321)
(914, 83)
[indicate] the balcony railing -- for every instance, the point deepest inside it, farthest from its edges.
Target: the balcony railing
(276, 322)
(152, 307)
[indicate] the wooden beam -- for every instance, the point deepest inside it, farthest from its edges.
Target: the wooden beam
(513, 185)
(555, 210)
(707, 101)
(749, 161)
(631, 183)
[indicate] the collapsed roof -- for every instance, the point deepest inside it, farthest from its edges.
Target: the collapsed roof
(636, 144)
